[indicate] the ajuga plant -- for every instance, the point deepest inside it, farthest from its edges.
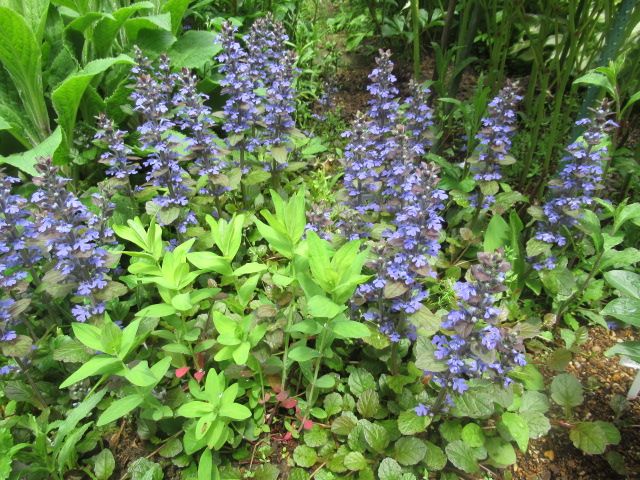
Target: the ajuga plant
(574, 189)
(75, 238)
(259, 80)
(494, 144)
(475, 342)
(387, 182)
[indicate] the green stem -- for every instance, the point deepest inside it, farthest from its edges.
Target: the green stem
(286, 347)
(35, 388)
(316, 372)
(394, 359)
(415, 18)
(578, 293)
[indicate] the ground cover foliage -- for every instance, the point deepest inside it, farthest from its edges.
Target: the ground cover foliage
(210, 270)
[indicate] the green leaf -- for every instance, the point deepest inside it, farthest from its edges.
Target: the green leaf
(208, 261)
(627, 282)
(355, 461)
(105, 30)
(349, 329)
(20, 55)
(500, 452)
(249, 268)
(517, 428)
(194, 49)
(435, 459)
(361, 380)
(144, 469)
(205, 465)
(409, 423)
(96, 366)
(119, 409)
(624, 309)
(140, 375)
(304, 456)
(473, 435)
(321, 306)
(475, 403)
(593, 437)
(157, 311)
(409, 450)
(26, 161)
(78, 413)
(235, 411)
(344, 424)
(67, 96)
(182, 302)
(389, 469)
(536, 421)
(530, 376)
(628, 212)
(619, 258)
(425, 358)
(534, 402)
(566, 391)
(333, 403)
(18, 347)
(368, 403)
(462, 457)
(629, 349)
(302, 353)
(376, 436)
(104, 464)
(177, 9)
(497, 234)
(597, 79)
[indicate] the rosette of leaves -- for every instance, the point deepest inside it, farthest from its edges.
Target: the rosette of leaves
(213, 409)
(238, 337)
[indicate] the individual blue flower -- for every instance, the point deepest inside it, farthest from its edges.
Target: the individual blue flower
(421, 410)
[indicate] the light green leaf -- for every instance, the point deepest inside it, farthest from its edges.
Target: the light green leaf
(235, 411)
(368, 403)
(409, 423)
(96, 366)
(361, 380)
(566, 390)
(473, 435)
(104, 464)
(119, 409)
(302, 353)
(627, 282)
(497, 234)
(67, 96)
(376, 436)
(500, 452)
(409, 450)
(349, 329)
(355, 461)
(194, 49)
(462, 457)
(106, 30)
(518, 429)
(389, 469)
(304, 456)
(321, 306)
(26, 161)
